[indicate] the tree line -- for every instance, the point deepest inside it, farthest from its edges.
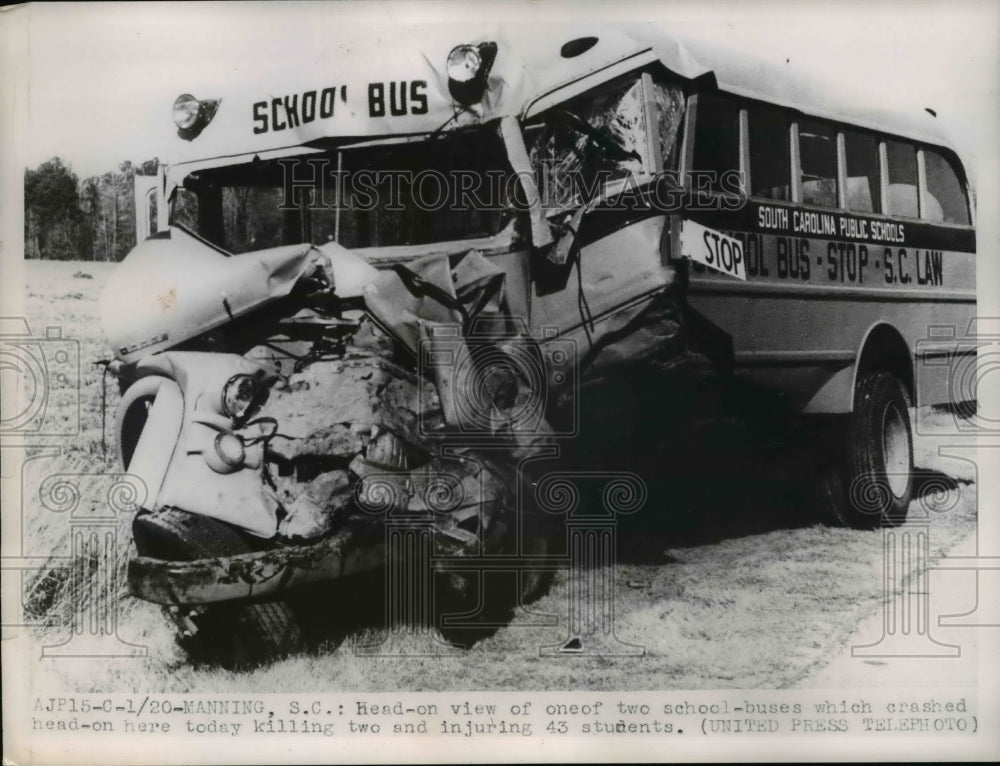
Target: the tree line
(89, 220)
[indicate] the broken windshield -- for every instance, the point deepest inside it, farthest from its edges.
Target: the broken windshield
(450, 187)
(586, 144)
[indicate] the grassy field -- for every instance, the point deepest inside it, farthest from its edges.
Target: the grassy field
(755, 594)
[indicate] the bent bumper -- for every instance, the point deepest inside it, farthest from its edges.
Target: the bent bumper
(259, 575)
(265, 574)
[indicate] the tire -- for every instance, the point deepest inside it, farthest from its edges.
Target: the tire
(534, 583)
(236, 636)
(485, 600)
(867, 481)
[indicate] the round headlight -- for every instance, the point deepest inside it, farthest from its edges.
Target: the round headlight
(240, 394)
(463, 63)
(186, 109)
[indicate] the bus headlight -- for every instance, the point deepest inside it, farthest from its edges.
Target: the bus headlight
(463, 63)
(186, 109)
(468, 69)
(240, 396)
(191, 115)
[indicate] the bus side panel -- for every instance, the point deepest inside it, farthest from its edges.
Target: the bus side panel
(806, 342)
(615, 270)
(818, 282)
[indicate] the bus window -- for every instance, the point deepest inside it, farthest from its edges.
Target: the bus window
(252, 219)
(818, 154)
(861, 154)
(945, 201)
(184, 209)
(716, 139)
(902, 172)
(770, 173)
(415, 192)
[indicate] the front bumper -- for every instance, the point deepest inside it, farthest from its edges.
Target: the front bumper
(258, 575)
(267, 574)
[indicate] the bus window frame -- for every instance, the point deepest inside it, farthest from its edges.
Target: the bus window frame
(922, 191)
(744, 120)
(651, 115)
(796, 163)
(841, 141)
(883, 178)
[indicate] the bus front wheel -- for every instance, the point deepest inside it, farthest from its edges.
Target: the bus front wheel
(867, 481)
(237, 635)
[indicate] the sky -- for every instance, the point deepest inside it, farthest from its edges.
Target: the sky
(100, 79)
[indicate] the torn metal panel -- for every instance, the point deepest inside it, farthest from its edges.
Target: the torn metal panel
(150, 302)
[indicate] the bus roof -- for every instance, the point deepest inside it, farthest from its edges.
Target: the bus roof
(743, 75)
(398, 86)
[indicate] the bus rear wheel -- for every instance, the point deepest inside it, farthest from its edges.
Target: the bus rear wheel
(867, 481)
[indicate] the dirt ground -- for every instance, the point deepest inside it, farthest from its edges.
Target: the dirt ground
(745, 590)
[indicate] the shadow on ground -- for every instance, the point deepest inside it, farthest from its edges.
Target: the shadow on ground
(728, 477)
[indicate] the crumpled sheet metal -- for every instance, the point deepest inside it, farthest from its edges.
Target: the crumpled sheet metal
(382, 453)
(655, 335)
(400, 312)
(443, 339)
(366, 413)
(358, 394)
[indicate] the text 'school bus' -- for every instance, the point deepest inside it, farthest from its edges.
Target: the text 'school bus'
(827, 241)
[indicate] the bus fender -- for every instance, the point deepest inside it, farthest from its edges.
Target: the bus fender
(836, 396)
(156, 443)
(884, 350)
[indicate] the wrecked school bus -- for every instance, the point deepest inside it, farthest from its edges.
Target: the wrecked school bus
(385, 288)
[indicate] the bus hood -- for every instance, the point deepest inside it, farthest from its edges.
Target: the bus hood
(170, 289)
